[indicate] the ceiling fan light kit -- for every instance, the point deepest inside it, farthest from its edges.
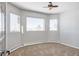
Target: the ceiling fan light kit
(50, 6)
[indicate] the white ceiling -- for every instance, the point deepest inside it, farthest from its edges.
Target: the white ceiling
(38, 6)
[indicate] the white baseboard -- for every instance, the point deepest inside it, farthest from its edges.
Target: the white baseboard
(32, 43)
(16, 48)
(51, 42)
(69, 45)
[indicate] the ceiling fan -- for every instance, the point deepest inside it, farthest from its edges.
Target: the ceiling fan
(50, 6)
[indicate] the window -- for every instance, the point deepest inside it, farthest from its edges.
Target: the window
(53, 25)
(14, 23)
(1, 22)
(35, 24)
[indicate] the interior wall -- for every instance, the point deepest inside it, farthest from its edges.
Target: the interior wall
(2, 29)
(33, 37)
(0, 33)
(69, 27)
(67, 24)
(15, 40)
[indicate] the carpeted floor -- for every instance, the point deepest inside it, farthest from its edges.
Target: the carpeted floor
(46, 49)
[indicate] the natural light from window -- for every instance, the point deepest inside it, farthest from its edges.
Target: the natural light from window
(1, 22)
(35, 24)
(14, 23)
(53, 25)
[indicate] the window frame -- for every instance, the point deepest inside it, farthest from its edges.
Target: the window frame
(43, 28)
(53, 24)
(2, 22)
(18, 22)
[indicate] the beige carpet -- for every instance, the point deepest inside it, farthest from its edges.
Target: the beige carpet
(46, 49)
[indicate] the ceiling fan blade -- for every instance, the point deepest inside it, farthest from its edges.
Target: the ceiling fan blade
(55, 6)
